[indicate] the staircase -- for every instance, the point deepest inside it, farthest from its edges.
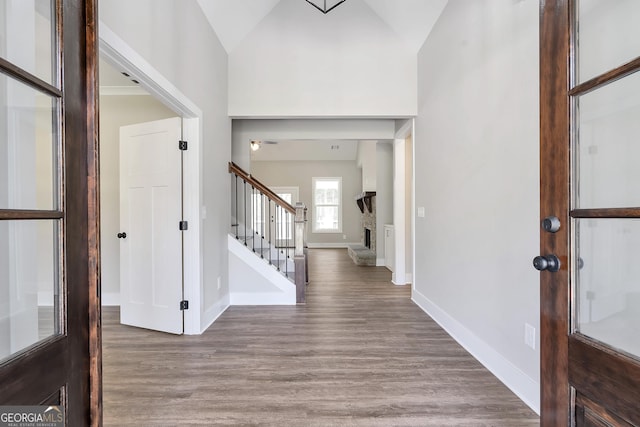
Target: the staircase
(280, 257)
(266, 232)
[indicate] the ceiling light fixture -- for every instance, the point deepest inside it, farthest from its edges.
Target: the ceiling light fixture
(325, 6)
(255, 145)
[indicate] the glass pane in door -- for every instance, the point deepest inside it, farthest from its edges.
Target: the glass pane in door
(27, 29)
(28, 147)
(608, 282)
(608, 150)
(608, 35)
(29, 284)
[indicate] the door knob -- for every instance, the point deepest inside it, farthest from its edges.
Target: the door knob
(551, 224)
(122, 235)
(548, 262)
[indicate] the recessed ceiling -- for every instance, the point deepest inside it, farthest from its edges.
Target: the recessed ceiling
(233, 20)
(109, 76)
(113, 82)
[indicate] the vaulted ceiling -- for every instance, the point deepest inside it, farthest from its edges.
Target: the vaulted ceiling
(412, 20)
(235, 20)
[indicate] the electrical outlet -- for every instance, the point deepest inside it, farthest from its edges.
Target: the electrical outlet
(219, 283)
(530, 335)
(344, 237)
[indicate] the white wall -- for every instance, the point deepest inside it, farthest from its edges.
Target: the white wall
(476, 155)
(367, 161)
(252, 281)
(176, 39)
(117, 111)
(299, 174)
(298, 62)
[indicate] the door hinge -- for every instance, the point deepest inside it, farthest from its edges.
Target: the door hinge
(183, 225)
(184, 305)
(182, 145)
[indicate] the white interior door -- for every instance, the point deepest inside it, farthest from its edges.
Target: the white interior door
(150, 213)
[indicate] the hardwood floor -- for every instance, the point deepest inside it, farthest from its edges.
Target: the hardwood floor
(360, 353)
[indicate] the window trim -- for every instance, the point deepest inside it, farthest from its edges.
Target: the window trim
(314, 228)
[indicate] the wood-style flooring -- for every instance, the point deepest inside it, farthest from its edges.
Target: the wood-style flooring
(359, 353)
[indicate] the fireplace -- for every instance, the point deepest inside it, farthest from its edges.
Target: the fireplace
(364, 253)
(367, 238)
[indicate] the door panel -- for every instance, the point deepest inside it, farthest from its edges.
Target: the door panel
(606, 377)
(590, 369)
(49, 222)
(590, 414)
(150, 212)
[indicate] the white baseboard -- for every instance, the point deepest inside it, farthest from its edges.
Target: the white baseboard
(517, 381)
(409, 278)
(339, 245)
(215, 311)
(381, 262)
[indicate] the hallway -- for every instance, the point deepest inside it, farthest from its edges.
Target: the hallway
(360, 353)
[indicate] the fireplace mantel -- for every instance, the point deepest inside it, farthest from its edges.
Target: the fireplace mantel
(364, 199)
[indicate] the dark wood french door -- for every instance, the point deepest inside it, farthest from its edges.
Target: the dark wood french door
(49, 261)
(590, 212)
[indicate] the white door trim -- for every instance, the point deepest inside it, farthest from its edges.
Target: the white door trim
(120, 53)
(400, 275)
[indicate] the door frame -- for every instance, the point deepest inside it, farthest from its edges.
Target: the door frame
(400, 275)
(121, 54)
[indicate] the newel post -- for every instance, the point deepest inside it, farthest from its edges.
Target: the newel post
(299, 253)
